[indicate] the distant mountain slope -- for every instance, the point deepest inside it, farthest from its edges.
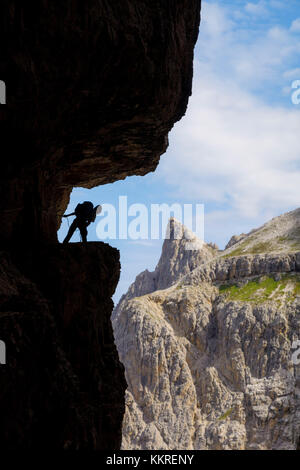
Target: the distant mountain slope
(279, 235)
(208, 360)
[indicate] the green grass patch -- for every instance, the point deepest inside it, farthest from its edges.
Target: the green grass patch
(295, 246)
(245, 249)
(240, 250)
(261, 248)
(264, 289)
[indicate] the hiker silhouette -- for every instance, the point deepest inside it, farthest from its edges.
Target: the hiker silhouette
(85, 214)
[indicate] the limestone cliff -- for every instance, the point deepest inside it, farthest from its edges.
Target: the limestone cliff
(209, 360)
(279, 235)
(93, 88)
(181, 253)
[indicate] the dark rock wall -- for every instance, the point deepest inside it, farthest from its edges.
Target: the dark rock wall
(63, 385)
(93, 88)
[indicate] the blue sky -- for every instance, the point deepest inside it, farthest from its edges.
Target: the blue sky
(238, 145)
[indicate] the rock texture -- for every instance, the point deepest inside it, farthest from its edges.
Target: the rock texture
(279, 235)
(181, 253)
(235, 239)
(93, 88)
(63, 386)
(208, 367)
(222, 270)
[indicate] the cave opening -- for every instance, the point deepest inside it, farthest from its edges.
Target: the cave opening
(134, 218)
(136, 255)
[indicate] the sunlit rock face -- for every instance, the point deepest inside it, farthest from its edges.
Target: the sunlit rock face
(182, 252)
(93, 88)
(209, 360)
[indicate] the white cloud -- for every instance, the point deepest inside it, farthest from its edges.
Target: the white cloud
(256, 8)
(292, 74)
(262, 7)
(235, 150)
(239, 153)
(295, 26)
(254, 58)
(215, 20)
(277, 4)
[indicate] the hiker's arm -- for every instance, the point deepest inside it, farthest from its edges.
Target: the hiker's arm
(68, 215)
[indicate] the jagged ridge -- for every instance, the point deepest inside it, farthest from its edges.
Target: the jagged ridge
(181, 252)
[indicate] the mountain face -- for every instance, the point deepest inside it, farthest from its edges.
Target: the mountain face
(181, 253)
(279, 235)
(92, 90)
(209, 358)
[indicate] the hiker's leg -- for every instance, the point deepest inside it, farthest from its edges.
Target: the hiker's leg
(72, 229)
(83, 232)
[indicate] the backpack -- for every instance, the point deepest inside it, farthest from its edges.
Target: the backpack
(85, 210)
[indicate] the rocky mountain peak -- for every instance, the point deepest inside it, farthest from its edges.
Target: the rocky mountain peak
(177, 234)
(181, 253)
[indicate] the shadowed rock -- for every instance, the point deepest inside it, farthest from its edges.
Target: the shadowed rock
(62, 375)
(93, 88)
